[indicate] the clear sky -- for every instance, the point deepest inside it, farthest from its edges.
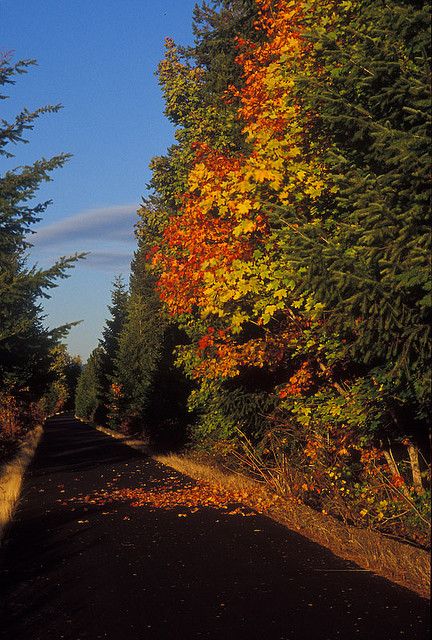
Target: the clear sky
(98, 59)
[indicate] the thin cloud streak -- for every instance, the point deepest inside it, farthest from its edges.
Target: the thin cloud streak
(115, 223)
(108, 260)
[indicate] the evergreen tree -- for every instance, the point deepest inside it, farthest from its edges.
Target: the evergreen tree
(109, 346)
(66, 369)
(367, 257)
(151, 390)
(71, 374)
(25, 343)
(88, 387)
(138, 344)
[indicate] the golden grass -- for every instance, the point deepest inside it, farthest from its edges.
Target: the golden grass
(135, 443)
(372, 551)
(11, 477)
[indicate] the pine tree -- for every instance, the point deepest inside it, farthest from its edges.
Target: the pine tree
(66, 370)
(139, 342)
(109, 344)
(25, 343)
(151, 389)
(88, 387)
(367, 257)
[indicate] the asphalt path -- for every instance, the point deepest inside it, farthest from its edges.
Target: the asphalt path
(77, 571)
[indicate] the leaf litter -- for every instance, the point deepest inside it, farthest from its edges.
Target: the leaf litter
(189, 497)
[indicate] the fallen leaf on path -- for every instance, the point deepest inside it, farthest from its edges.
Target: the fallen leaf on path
(191, 496)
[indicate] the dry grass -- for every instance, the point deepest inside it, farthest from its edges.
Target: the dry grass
(11, 477)
(130, 441)
(398, 562)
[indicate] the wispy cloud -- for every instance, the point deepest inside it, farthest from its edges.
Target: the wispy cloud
(105, 233)
(109, 260)
(105, 224)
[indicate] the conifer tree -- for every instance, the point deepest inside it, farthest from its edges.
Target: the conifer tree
(25, 343)
(367, 257)
(109, 344)
(66, 369)
(88, 387)
(151, 390)
(139, 343)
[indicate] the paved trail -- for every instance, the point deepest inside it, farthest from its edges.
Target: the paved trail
(115, 572)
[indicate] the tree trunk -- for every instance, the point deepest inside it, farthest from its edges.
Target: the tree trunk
(395, 470)
(413, 453)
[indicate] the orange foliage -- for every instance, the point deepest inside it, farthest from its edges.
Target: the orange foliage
(199, 234)
(299, 382)
(207, 261)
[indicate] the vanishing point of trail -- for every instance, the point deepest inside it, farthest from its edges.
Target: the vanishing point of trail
(77, 570)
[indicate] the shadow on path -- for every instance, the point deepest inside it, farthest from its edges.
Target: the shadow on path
(71, 571)
(64, 448)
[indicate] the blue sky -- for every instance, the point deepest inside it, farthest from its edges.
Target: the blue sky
(98, 59)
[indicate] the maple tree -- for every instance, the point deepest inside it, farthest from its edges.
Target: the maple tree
(220, 262)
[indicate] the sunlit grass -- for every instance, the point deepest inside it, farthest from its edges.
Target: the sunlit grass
(11, 477)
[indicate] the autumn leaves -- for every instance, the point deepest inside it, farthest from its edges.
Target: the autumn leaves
(219, 263)
(176, 494)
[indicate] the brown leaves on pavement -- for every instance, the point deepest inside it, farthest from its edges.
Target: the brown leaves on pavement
(189, 496)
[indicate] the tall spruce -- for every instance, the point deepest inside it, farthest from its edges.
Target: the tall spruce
(138, 344)
(152, 391)
(368, 257)
(110, 344)
(88, 387)
(61, 393)
(25, 343)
